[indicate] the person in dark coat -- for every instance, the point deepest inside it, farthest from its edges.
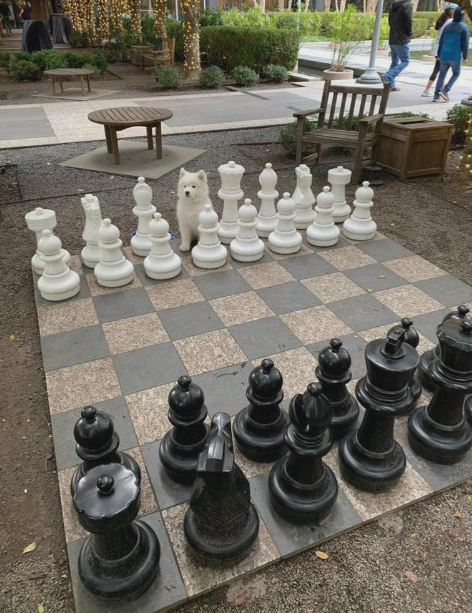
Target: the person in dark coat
(453, 46)
(400, 20)
(5, 15)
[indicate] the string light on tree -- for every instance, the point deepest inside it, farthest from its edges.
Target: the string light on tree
(160, 16)
(103, 19)
(135, 15)
(191, 31)
(466, 158)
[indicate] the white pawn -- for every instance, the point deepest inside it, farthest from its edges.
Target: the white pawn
(144, 210)
(58, 282)
(285, 239)
(162, 262)
(230, 192)
(113, 270)
(37, 221)
(304, 198)
(338, 178)
(267, 217)
(247, 247)
(93, 220)
(323, 232)
(360, 226)
(209, 253)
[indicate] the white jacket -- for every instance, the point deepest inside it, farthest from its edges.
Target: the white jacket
(438, 36)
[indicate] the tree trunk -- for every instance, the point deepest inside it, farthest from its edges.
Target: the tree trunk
(192, 67)
(262, 4)
(281, 5)
(118, 7)
(135, 15)
(466, 162)
(160, 16)
(103, 19)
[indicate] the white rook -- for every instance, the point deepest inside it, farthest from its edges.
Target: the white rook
(230, 192)
(144, 210)
(209, 253)
(267, 217)
(247, 246)
(338, 178)
(162, 262)
(360, 226)
(303, 198)
(37, 221)
(93, 220)
(323, 232)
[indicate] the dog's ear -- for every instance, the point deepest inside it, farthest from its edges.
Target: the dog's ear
(182, 172)
(202, 176)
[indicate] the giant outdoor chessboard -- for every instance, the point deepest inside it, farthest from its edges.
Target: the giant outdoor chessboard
(122, 351)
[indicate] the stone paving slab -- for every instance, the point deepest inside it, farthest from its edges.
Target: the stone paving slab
(124, 349)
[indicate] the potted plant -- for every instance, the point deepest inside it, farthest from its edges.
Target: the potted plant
(346, 39)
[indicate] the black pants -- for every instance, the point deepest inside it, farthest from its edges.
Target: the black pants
(6, 24)
(435, 72)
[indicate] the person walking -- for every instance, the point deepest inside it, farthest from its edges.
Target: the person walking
(5, 15)
(453, 45)
(400, 20)
(441, 23)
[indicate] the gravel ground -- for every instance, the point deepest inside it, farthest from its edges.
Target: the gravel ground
(366, 569)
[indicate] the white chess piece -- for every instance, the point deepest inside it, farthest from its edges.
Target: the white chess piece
(113, 270)
(162, 262)
(323, 232)
(285, 239)
(247, 246)
(230, 192)
(267, 217)
(93, 220)
(37, 221)
(303, 198)
(209, 253)
(144, 210)
(360, 226)
(58, 281)
(338, 178)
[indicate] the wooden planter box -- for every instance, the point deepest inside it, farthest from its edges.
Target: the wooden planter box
(414, 146)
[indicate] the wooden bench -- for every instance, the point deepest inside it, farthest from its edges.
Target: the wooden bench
(65, 74)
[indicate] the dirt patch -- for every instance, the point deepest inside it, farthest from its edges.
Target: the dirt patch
(10, 182)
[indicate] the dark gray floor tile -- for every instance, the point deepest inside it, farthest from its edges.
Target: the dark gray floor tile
(221, 284)
(190, 320)
(146, 281)
(355, 345)
(307, 266)
(384, 250)
(63, 430)
(375, 277)
(427, 324)
(225, 388)
(166, 592)
(168, 493)
(288, 297)
(290, 538)
(119, 305)
(149, 367)
(264, 337)
(363, 312)
(447, 290)
(264, 260)
(84, 292)
(75, 347)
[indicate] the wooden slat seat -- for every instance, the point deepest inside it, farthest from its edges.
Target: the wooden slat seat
(335, 137)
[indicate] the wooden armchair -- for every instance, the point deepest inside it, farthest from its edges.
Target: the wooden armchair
(163, 53)
(335, 120)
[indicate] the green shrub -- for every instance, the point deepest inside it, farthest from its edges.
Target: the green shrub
(97, 60)
(48, 59)
(76, 60)
(5, 60)
(286, 20)
(212, 77)
(168, 77)
(245, 76)
(115, 50)
(275, 73)
(148, 31)
(211, 17)
(175, 30)
(459, 117)
(420, 26)
(22, 55)
(79, 39)
(22, 70)
(228, 47)
(288, 136)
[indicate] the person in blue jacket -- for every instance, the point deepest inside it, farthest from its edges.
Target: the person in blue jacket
(453, 45)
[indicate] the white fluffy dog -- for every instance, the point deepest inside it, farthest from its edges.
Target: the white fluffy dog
(193, 195)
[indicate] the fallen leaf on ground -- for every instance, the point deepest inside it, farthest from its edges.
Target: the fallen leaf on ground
(381, 276)
(321, 554)
(411, 576)
(458, 514)
(413, 535)
(12, 337)
(40, 608)
(240, 599)
(30, 548)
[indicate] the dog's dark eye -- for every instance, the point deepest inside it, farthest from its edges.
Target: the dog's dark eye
(193, 186)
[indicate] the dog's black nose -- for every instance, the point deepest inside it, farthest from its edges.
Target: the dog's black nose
(187, 193)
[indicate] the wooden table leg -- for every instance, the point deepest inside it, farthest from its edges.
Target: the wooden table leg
(108, 137)
(114, 144)
(88, 83)
(61, 84)
(82, 85)
(149, 136)
(158, 141)
(53, 81)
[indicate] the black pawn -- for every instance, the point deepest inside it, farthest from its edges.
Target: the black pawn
(221, 524)
(333, 371)
(182, 444)
(302, 488)
(428, 356)
(412, 338)
(440, 432)
(120, 559)
(259, 428)
(97, 444)
(370, 458)
(468, 410)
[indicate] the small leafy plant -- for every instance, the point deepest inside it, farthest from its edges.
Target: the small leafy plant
(212, 77)
(288, 135)
(245, 76)
(459, 117)
(169, 77)
(22, 70)
(5, 60)
(275, 73)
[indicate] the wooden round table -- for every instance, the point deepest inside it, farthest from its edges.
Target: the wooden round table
(117, 119)
(64, 74)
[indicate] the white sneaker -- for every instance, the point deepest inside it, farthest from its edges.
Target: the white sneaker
(426, 94)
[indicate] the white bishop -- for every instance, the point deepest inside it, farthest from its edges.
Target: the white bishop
(267, 217)
(209, 253)
(247, 246)
(285, 239)
(113, 270)
(58, 282)
(144, 210)
(162, 262)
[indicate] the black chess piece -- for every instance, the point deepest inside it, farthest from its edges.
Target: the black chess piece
(259, 428)
(468, 410)
(182, 444)
(221, 524)
(302, 488)
(97, 444)
(440, 432)
(370, 458)
(333, 371)
(412, 338)
(428, 356)
(120, 559)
